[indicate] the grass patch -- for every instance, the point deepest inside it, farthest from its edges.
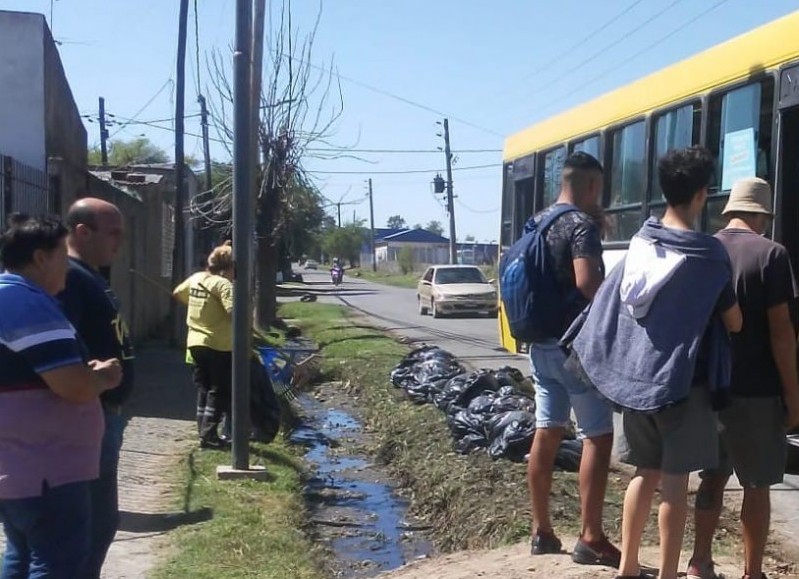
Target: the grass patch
(471, 501)
(257, 528)
(406, 280)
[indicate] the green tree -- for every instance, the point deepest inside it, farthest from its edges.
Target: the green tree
(405, 259)
(138, 151)
(418, 226)
(303, 219)
(396, 222)
(435, 227)
(345, 242)
(470, 238)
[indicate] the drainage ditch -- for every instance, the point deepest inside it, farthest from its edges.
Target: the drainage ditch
(355, 508)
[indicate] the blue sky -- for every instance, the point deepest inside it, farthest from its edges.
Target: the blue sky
(492, 67)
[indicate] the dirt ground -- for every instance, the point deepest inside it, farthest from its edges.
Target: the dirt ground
(515, 562)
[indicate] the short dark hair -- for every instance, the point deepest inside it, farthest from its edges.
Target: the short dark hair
(683, 172)
(582, 161)
(25, 235)
(80, 214)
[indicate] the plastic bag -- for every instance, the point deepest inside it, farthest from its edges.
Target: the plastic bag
(461, 389)
(511, 435)
(468, 432)
(569, 455)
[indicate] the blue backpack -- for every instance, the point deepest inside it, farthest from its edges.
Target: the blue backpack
(528, 286)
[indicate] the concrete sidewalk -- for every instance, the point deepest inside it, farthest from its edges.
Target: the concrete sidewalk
(160, 433)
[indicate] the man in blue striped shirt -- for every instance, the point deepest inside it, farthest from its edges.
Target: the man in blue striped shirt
(51, 422)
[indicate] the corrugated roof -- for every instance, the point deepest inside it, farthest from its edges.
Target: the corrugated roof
(416, 236)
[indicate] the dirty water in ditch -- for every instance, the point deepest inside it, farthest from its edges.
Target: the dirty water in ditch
(354, 506)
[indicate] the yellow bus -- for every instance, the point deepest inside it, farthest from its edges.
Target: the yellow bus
(740, 99)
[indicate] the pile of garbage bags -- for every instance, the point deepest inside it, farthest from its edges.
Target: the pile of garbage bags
(486, 409)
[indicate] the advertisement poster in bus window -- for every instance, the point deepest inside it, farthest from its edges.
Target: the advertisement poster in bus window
(740, 157)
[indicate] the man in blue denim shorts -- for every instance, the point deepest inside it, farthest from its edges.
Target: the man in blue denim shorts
(575, 250)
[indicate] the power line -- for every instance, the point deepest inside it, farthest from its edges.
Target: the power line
(399, 151)
(141, 110)
(391, 95)
(677, 30)
(462, 204)
(572, 69)
(588, 38)
(408, 172)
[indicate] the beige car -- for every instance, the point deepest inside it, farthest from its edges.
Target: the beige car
(456, 289)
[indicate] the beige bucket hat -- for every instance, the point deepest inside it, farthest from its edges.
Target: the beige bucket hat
(749, 195)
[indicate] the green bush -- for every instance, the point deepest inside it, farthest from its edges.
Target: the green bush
(405, 258)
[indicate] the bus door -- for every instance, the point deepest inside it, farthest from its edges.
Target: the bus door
(787, 183)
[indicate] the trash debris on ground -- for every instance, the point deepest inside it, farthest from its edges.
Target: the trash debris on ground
(489, 410)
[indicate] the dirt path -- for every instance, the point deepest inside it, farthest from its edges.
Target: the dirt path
(158, 435)
(516, 563)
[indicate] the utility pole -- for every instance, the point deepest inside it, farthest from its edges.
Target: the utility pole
(242, 234)
(178, 252)
(338, 207)
(372, 227)
(206, 142)
(256, 81)
(103, 134)
(453, 251)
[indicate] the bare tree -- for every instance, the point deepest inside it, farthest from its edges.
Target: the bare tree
(300, 105)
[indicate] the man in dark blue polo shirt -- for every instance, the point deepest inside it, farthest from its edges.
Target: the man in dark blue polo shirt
(96, 230)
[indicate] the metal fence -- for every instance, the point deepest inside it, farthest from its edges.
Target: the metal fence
(23, 189)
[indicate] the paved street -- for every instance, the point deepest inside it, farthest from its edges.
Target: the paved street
(475, 341)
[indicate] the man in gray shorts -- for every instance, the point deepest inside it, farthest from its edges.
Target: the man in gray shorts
(765, 386)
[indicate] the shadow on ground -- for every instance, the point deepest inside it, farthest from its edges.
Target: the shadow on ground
(161, 522)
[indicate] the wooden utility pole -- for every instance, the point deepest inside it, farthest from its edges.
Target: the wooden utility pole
(209, 184)
(372, 227)
(103, 134)
(453, 248)
(178, 252)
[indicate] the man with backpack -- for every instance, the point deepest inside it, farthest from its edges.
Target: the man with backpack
(548, 277)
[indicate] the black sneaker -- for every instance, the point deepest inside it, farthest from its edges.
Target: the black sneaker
(546, 544)
(602, 552)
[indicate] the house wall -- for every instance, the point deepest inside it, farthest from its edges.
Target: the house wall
(136, 277)
(22, 118)
(65, 135)
(424, 254)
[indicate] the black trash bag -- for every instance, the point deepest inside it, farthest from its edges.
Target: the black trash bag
(461, 389)
(264, 406)
(510, 435)
(483, 404)
(402, 376)
(508, 376)
(440, 368)
(419, 393)
(507, 401)
(467, 430)
(569, 455)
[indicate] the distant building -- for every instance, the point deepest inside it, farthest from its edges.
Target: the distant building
(427, 247)
(472, 253)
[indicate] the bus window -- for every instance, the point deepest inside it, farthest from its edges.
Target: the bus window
(676, 129)
(627, 182)
(552, 169)
(739, 136)
(589, 145)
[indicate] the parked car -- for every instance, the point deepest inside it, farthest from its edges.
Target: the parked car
(453, 289)
(311, 264)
